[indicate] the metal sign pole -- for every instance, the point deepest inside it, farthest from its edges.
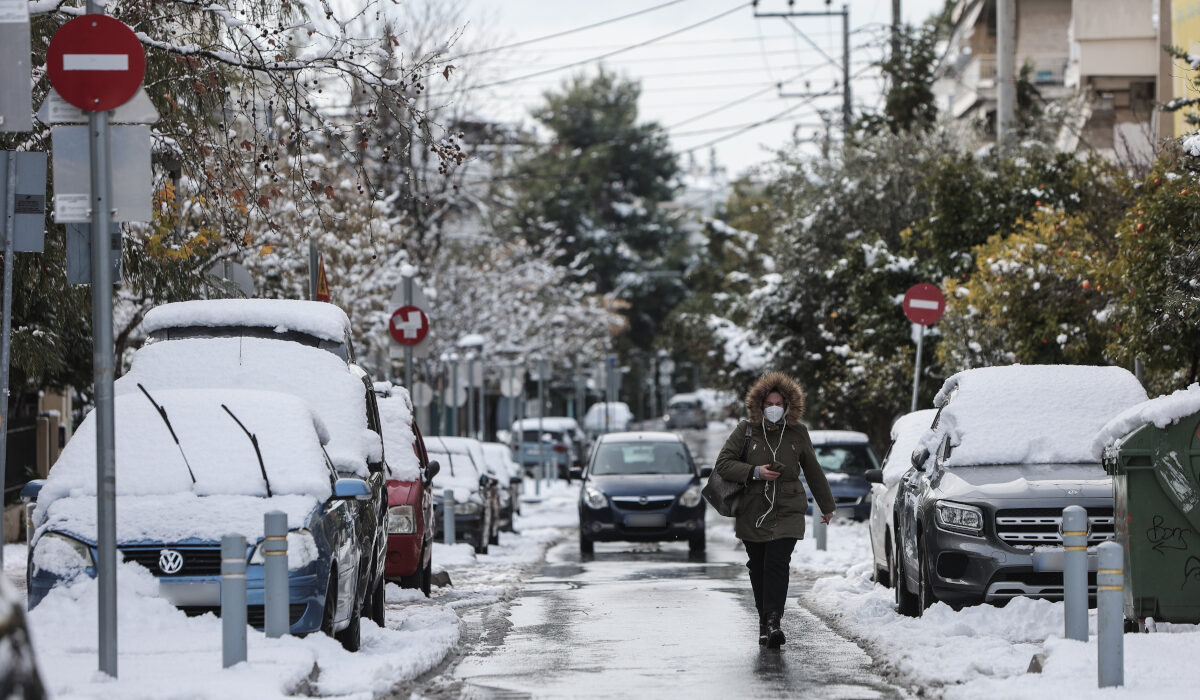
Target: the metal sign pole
(10, 225)
(313, 261)
(408, 351)
(917, 371)
(102, 361)
(541, 370)
(482, 399)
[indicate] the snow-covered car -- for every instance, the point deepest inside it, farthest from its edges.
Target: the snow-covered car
(611, 417)
(641, 487)
(18, 670)
(410, 523)
(906, 436)
(500, 462)
(476, 491)
(560, 444)
(295, 347)
(193, 466)
(685, 411)
(845, 456)
(1009, 449)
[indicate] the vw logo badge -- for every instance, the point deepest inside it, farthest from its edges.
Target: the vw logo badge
(643, 500)
(170, 561)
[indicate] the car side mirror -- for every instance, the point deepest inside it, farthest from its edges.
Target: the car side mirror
(705, 472)
(919, 456)
(351, 487)
(432, 471)
(30, 491)
(874, 476)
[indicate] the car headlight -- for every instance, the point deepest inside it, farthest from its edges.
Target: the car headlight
(62, 555)
(959, 517)
(468, 508)
(401, 520)
(691, 497)
(594, 497)
(301, 549)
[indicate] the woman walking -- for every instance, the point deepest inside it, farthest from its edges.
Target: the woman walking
(768, 453)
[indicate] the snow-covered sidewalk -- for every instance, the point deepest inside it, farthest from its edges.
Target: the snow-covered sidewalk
(983, 651)
(165, 654)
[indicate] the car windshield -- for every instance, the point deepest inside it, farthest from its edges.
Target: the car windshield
(846, 459)
(640, 458)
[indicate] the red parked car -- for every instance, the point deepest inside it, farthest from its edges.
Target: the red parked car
(410, 523)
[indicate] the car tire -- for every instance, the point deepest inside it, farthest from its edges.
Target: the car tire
(427, 577)
(697, 543)
(586, 545)
(481, 538)
(351, 636)
(330, 604)
(884, 576)
(925, 594)
(906, 602)
(413, 580)
(377, 603)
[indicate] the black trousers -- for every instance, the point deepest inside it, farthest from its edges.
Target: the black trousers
(770, 566)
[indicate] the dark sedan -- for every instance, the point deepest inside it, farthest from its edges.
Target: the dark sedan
(641, 487)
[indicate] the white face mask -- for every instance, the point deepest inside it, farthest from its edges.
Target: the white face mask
(774, 413)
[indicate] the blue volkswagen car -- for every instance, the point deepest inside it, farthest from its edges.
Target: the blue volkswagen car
(194, 465)
(640, 487)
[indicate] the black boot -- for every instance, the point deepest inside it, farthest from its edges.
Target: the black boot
(775, 637)
(763, 633)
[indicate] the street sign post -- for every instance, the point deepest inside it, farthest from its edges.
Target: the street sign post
(924, 305)
(16, 94)
(96, 63)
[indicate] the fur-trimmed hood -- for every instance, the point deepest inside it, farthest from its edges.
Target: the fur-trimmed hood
(793, 397)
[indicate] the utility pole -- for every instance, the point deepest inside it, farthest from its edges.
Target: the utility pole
(1006, 64)
(847, 103)
(895, 30)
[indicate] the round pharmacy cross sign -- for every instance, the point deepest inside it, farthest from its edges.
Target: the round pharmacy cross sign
(924, 304)
(409, 325)
(95, 63)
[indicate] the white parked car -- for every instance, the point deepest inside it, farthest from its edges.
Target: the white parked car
(611, 417)
(500, 460)
(476, 496)
(906, 437)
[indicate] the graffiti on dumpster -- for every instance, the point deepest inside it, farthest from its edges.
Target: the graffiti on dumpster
(1166, 537)
(1177, 480)
(1191, 571)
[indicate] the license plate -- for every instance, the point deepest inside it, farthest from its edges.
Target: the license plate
(646, 520)
(190, 592)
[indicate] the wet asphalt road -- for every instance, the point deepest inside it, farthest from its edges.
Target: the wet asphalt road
(646, 620)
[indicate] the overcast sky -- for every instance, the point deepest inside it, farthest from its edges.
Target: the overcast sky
(707, 85)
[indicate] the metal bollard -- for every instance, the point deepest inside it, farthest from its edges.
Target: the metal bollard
(820, 529)
(448, 514)
(233, 599)
(275, 574)
(1075, 570)
(1110, 614)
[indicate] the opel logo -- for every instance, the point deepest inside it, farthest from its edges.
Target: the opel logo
(170, 561)
(643, 500)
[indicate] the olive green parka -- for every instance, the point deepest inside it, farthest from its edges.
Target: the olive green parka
(757, 519)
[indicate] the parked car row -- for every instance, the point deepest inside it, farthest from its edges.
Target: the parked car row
(234, 408)
(971, 488)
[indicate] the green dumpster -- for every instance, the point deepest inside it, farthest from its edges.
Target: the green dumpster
(1156, 496)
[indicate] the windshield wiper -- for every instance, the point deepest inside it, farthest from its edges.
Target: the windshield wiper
(253, 441)
(162, 412)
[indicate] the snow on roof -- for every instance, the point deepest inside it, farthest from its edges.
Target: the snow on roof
(1030, 414)
(395, 416)
(457, 471)
(556, 423)
(618, 412)
(642, 435)
(316, 318)
(906, 437)
(149, 463)
(466, 446)
(828, 437)
(1160, 411)
(319, 377)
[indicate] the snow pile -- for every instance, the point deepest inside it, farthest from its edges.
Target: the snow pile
(1022, 414)
(1160, 412)
(317, 376)
(395, 416)
(315, 318)
(907, 432)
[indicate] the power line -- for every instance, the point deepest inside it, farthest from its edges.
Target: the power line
(576, 64)
(742, 99)
(686, 42)
(567, 32)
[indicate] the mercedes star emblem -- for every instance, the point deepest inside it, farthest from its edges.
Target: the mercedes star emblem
(170, 561)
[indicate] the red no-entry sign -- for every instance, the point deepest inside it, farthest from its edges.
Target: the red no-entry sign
(408, 325)
(95, 62)
(924, 304)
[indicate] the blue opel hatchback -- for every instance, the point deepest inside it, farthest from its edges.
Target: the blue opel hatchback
(192, 466)
(640, 487)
